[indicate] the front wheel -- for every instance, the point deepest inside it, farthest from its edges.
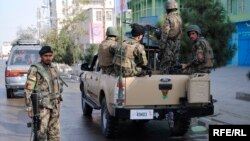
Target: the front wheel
(9, 93)
(109, 123)
(86, 108)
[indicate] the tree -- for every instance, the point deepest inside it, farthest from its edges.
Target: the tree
(28, 33)
(90, 52)
(66, 44)
(215, 25)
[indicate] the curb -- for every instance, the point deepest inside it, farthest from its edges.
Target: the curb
(243, 96)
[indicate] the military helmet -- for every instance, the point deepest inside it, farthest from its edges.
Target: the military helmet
(171, 4)
(195, 28)
(111, 31)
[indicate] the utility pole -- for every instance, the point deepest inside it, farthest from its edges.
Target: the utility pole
(104, 19)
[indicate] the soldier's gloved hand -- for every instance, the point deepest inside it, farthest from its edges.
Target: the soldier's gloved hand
(149, 72)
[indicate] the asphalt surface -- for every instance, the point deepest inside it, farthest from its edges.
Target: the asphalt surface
(225, 83)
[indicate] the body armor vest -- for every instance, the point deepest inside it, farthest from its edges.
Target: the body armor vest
(175, 26)
(104, 54)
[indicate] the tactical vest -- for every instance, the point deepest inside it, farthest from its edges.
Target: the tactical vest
(175, 26)
(47, 97)
(104, 55)
(124, 55)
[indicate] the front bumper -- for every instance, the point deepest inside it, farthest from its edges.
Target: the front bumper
(15, 86)
(160, 113)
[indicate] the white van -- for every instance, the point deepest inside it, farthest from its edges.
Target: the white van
(22, 55)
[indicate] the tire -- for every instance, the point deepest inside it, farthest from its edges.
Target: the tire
(109, 123)
(181, 125)
(86, 108)
(9, 93)
(81, 87)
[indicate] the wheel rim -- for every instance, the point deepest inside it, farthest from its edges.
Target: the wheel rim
(104, 119)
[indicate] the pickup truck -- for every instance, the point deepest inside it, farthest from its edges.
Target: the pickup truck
(175, 98)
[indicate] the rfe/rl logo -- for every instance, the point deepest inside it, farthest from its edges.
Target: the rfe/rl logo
(234, 132)
(229, 132)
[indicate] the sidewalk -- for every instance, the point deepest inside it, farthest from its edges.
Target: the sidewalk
(225, 83)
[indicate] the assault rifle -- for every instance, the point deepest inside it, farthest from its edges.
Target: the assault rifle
(36, 121)
(175, 69)
(156, 31)
(63, 81)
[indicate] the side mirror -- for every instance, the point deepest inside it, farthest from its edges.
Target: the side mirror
(85, 67)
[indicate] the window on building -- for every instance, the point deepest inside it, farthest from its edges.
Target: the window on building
(241, 6)
(232, 6)
(109, 15)
(98, 15)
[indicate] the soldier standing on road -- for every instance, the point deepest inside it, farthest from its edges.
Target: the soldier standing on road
(131, 56)
(107, 50)
(43, 79)
(202, 53)
(170, 37)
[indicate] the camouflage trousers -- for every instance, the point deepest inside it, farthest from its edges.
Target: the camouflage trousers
(128, 72)
(50, 125)
(168, 55)
(108, 69)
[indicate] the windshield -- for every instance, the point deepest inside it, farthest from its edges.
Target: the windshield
(25, 57)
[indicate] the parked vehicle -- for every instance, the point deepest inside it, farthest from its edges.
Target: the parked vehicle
(176, 98)
(22, 55)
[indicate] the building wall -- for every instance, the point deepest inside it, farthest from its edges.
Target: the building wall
(95, 30)
(144, 8)
(239, 13)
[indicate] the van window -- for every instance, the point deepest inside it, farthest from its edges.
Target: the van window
(25, 57)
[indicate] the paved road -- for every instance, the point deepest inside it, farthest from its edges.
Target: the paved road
(74, 126)
(225, 82)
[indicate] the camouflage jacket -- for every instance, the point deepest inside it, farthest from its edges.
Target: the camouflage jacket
(43, 79)
(106, 52)
(204, 64)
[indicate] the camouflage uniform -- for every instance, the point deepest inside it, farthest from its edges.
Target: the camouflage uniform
(133, 57)
(44, 80)
(105, 54)
(203, 65)
(170, 38)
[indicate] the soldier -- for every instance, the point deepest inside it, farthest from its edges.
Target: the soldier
(131, 57)
(170, 37)
(107, 50)
(43, 79)
(202, 53)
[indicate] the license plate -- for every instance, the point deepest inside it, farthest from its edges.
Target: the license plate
(141, 114)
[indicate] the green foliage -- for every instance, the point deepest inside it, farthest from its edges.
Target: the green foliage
(90, 52)
(28, 33)
(215, 25)
(66, 44)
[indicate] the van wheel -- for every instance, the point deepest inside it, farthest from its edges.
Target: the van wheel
(86, 108)
(9, 92)
(181, 125)
(109, 123)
